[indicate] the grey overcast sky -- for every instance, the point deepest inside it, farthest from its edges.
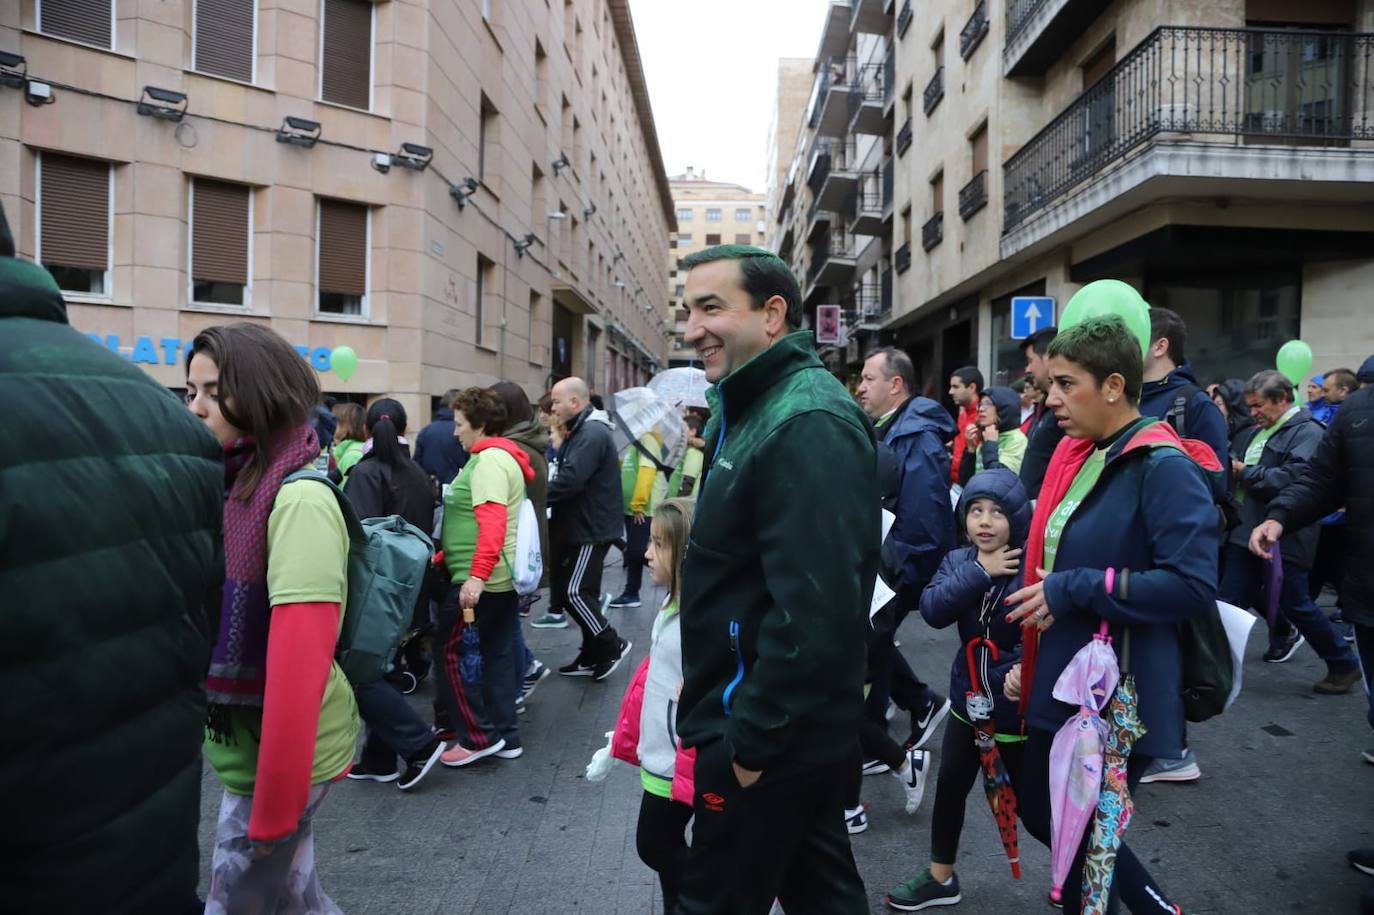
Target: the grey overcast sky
(712, 68)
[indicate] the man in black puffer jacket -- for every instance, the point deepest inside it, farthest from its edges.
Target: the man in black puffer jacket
(111, 496)
(1271, 456)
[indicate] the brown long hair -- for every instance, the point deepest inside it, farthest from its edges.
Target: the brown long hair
(675, 518)
(351, 427)
(265, 389)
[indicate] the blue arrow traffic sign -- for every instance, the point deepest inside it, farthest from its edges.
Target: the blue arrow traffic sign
(1030, 313)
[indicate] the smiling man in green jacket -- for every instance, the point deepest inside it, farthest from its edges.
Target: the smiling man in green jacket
(777, 580)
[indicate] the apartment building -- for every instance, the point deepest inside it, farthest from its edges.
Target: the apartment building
(795, 78)
(1217, 156)
(831, 219)
(708, 213)
(460, 190)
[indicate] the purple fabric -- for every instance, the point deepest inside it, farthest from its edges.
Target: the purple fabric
(1273, 585)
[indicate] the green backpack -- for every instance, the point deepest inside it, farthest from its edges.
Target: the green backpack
(387, 559)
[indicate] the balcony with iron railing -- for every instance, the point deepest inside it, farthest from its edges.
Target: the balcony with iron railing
(836, 77)
(974, 195)
(974, 31)
(870, 17)
(866, 101)
(833, 175)
(935, 90)
(933, 232)
(868, 305)
(866, 206)
(904, 19)
(904, 137)
(832, 261)
(1039, 32)
(901, 258)
(1213, 96)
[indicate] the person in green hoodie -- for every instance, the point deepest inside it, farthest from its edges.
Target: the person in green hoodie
(997, 439)
(777, 583)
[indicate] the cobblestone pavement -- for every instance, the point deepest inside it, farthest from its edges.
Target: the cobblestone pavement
(1283, 795)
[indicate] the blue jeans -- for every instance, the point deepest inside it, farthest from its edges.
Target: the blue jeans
(393, 728)
(1243, 585)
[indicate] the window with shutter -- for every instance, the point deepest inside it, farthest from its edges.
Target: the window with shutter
(221, 231)
(342, 257)
(89, 21)
(74, 222)
(346, 59)
(224, 38)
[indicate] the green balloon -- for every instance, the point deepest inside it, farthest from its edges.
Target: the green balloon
(1110, 297)
(1295, 360)
(343, 361)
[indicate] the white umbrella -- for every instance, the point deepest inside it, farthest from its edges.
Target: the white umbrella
(681, 387)
(639, 412)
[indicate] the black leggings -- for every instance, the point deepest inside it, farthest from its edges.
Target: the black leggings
(1131, 883)
(960, 770)
(661, 840)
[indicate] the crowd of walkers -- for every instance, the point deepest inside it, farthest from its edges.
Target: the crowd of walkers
(1105, 498)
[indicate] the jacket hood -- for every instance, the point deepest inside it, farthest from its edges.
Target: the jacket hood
(29, 291)
(510, 448)
(921, 414)
(1366, 373)
(443, 414)
(1179, 377)
(1238, 411)
(530, 434)
(1008, 404)
(1004, 488)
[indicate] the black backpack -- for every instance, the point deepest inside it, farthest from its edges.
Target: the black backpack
(1177, 417)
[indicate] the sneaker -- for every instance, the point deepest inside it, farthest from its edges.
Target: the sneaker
(607, 666)
(923, 892)
(459, 755)
(913, 778)
(1362, 859)
(924, 724)
(520, 707)
(510, 752)
(856, 820)
(1172, 770)
(1337, 682)
(418, 768)
(362, 773)
(1368, 756)
(533, 677)
(551, 621)
(578, 667)
(876, 767)
(1282, 651)
(891, 710)
(625, 602)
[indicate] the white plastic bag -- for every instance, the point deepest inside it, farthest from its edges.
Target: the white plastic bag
(602, 761)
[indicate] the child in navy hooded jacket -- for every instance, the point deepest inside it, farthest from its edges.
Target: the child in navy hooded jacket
(968, 591)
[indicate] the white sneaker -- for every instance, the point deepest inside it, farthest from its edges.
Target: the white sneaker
(913, 777)
(875, 767)
(856, 820)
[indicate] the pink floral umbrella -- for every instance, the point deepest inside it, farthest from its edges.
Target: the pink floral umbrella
(1088, 681)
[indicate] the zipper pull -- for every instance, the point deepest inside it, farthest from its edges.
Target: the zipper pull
(734, 636)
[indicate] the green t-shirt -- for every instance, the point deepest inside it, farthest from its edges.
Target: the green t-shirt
(307, 562)
(1255, 449)
(630, 465)
(1083, 483)
(347, 453)
(490, 475)
(1011, 451)
(688, 468)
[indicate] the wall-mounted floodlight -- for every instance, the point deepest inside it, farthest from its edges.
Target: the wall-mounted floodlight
(36, 93)
(381, 162)
(560, 163)
(413, 156)
(522, 245)
(167, 104)
(299, 132)
(463, 190)
(14, 70)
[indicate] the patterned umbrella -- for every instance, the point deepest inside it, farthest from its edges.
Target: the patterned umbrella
(1088, 681)
(681, 387)
(996, 782)
(1114, 805)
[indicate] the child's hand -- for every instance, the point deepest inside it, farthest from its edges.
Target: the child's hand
(1011, 687)
(1005, 561)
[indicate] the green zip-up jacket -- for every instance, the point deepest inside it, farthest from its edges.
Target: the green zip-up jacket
(780, 566)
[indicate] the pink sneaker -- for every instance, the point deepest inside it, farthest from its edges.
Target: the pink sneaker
(460, 755)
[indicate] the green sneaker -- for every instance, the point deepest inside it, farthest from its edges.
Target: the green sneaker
(924, 892)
